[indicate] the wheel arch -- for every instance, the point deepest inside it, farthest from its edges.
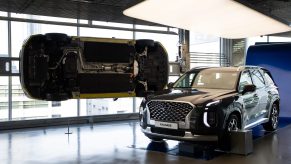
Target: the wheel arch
(236, 112)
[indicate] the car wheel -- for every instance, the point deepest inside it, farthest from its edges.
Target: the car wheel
(232, 124)
(60, 37)
(157, 68)
(142, 43)
(272, 124)
(153, 70)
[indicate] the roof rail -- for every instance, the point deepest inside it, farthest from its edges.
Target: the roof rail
(247, 66)
(201, 67)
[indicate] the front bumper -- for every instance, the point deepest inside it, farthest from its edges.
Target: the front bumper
(187, 137)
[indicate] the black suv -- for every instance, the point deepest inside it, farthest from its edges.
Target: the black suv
(205, 104)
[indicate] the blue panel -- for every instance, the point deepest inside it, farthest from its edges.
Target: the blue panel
(277, 59)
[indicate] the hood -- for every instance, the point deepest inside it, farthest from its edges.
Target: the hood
(194, 96)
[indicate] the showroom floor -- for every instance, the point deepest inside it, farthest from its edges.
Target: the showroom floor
(121, 142)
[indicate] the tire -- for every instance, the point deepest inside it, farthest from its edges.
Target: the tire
(145, 43)
(272, 124)
(232, 124)
(142, 43)
(153, 69)
(59, 37)
(157, 68)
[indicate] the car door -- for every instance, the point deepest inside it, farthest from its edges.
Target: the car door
(250, 100)
(261, 93)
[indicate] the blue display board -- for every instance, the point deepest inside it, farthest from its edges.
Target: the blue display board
(277, 59)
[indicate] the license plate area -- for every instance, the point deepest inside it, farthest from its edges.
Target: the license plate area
(166, 125)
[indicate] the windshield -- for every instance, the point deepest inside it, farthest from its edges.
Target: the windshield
(208, 79)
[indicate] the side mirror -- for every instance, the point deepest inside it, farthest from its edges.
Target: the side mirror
(170, 85)
(249, 88)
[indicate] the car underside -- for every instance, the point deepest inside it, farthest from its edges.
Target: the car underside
(58, 67)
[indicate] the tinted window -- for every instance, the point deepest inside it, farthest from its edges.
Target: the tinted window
(208, 79)
(185, 81)
(245, 79)
(269, 80)
(258, 78)
(213, 79)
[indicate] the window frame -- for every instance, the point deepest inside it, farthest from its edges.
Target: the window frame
(264, 82)
(241, 74)
(270, 76)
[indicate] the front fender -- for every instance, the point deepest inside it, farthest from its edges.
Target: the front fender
(234, 108)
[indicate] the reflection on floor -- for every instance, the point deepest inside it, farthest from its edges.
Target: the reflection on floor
(123, 142)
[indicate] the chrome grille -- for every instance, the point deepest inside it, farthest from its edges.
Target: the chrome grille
(169, 110)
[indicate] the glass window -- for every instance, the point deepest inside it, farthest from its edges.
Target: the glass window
(245, 79)
(25, 108)
(3, 98)
(215, 80)
(46, 18)
(151, 27)
(173, 78)
(185, 81)
(269, 80)
(253, 40)
(107, 106)
(279, 39)
(3, 39)
(3, 80)
(170, 42)
(4, 14)
(257, 78)
(208, 79)
(104, 33)
(21, 31)
(204, 50)
(112, 24)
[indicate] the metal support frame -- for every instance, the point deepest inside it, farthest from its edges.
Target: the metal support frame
(133, 99)
(89, 25)
(9, 78)
(226, 49)
(78, 100)
(184, 40)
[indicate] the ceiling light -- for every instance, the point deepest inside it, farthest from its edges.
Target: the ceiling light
(223, 18)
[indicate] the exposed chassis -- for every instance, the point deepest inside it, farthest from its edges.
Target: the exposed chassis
(58, 67)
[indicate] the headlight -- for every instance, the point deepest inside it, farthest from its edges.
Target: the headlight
(140, 110)
(212, 103)
(209, 117)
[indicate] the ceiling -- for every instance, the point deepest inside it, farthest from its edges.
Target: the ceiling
(277, 9)
(99, 10)
(112, 10)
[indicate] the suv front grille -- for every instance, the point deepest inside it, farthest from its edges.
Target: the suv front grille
(169, 110)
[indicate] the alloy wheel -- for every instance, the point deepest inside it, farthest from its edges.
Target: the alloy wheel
(274, 116)
(232, 125)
